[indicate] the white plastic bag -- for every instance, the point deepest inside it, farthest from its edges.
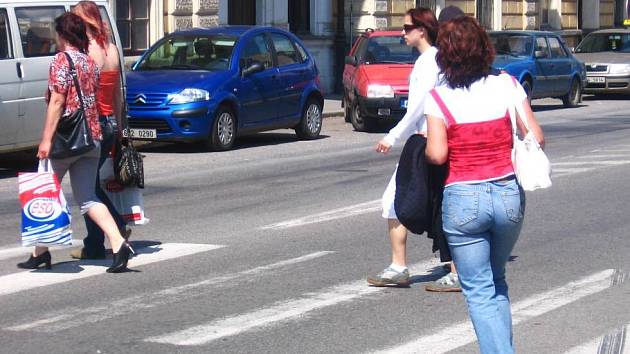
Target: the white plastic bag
(128, 201)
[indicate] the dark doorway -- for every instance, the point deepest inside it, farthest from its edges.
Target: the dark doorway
(300, 16)
(242, 12)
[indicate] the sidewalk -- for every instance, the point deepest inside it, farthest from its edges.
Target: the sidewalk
(332, 107)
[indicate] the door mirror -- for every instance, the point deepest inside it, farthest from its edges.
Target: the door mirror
(256, 67)
(540, 54)
(572, 49)
(351, 60)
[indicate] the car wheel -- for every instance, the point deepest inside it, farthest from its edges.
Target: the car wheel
(527, 86)
(574, 96)
(223, 132)
(311, 123)
(360, 123)
(347, 111)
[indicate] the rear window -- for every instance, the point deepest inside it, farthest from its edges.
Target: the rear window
(389, 50)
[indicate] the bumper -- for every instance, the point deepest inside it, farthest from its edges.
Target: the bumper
(612, 84)
(383, 109)
(189, 122)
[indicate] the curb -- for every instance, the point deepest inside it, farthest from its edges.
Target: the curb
(332, 114)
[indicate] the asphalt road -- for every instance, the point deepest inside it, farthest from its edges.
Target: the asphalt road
(265, 249)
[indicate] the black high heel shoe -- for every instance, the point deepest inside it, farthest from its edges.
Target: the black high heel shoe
(121, 258)
(35, 262)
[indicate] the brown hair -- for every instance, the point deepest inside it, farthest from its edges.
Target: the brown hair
(71, 28)
(465, 52)
(425, 18)
(90, 13)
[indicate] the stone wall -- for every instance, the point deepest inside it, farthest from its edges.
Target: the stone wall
(182, 14)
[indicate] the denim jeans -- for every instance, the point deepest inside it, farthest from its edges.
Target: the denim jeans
(482, 223)
(94, 242)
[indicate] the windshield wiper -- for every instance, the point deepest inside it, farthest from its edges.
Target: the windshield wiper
(504, 52)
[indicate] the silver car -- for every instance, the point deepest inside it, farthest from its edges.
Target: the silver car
(606, 54)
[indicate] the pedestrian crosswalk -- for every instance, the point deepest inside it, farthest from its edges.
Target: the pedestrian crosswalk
(615, 155)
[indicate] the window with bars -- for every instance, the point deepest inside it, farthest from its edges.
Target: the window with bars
(132, 19)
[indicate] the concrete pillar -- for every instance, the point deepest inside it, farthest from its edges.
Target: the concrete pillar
(223, 12)
(497, 14)
(555, 14)
(321, 17)
(590, 14)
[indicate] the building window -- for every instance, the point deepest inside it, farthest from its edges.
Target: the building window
(300, 16)
(242, 12)
(132, 20)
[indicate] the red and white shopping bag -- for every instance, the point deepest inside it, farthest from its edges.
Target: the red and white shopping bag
(128, 201)
(45, 213)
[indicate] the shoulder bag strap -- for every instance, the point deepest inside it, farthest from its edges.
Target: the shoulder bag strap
(73, 71)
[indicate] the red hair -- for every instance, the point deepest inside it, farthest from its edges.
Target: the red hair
(465, 52)
(425, 18)
(90, 13)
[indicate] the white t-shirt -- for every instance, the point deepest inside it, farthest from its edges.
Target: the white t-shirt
(486, 99)
(423, 78)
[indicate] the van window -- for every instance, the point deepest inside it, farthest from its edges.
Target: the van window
(6, 51)
(37, 29)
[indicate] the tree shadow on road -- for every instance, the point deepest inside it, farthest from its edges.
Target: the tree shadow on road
(242, 143)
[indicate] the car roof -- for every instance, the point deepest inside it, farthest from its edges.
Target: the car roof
(612, 30)
(528, 33)
(225, 30)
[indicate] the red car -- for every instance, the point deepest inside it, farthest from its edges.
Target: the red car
(376, 79)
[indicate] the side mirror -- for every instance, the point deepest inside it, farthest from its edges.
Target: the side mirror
(572, 49)
(253, 69)
(351, 60)
(540, 54)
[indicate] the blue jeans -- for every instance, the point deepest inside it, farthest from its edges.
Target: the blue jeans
(482, 223)
(94, 242)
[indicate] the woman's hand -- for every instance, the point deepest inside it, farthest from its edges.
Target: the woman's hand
(383, 147)
(43, 152)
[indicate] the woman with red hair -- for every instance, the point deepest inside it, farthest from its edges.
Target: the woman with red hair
(109, 103)
(469, 127)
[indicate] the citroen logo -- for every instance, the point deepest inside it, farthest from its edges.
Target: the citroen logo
(140, 99)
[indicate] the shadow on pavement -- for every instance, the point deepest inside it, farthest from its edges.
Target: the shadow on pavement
(607, 97)
(244, 142)
(12, 163)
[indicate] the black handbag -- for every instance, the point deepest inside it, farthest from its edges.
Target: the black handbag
(128, 167)
(73, 136)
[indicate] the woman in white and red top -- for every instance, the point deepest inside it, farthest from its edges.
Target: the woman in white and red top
(469, 127)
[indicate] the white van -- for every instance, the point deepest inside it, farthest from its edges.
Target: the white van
(27, 46)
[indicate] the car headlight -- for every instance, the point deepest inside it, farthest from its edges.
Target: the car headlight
(619, 69)
(385, 91)
(190, 95)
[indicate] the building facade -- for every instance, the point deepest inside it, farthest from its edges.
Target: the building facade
(328, 27)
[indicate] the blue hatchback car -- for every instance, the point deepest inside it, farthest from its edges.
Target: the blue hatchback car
(211, 85)
(542, 64)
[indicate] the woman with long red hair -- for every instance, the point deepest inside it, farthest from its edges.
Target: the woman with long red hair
(109, 103)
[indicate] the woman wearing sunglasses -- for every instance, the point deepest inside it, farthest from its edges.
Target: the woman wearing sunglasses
(419, 31)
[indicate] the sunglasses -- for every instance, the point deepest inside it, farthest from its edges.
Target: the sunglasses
(409, 28)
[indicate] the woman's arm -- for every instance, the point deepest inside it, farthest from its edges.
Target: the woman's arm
(53, 114)
(437, 142)
(527, 113)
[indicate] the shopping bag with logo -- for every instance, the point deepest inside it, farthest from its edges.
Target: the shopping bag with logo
(127, 200)
(45, 213)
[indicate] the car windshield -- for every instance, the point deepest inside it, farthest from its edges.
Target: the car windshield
(516, 45)
(389, 50)
(605, 42)
(212, 53)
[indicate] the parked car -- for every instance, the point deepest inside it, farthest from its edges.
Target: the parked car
(27, 46)
(376, 79)
(607, 57)
(212, 85)
(542, 64)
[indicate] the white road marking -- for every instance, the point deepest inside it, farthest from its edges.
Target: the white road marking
(458, 335)
(353, 210)
(65, 272)
(73, 318)
(281, 311)
(578, 163)
(615, 342)
(14, 252)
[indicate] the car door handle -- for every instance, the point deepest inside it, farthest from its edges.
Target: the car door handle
(20, 72)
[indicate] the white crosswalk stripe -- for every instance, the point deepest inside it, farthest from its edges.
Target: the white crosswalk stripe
(596, 159)
(615, 342)
(61, 273)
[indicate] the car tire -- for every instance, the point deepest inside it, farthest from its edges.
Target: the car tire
(527, 86)
(311, 123)
(359, 123)
(223, 133)
(347, 111)
(574, 96)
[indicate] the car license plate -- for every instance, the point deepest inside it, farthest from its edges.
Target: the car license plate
(135, 133)
(596, 80)
(403, 103)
